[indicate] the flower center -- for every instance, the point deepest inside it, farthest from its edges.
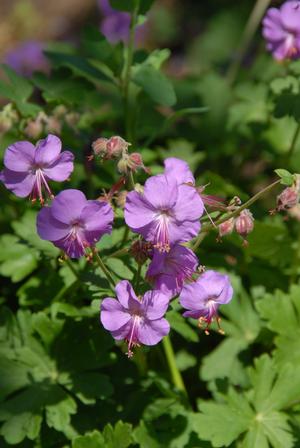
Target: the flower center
(133, 337)
(161, 237)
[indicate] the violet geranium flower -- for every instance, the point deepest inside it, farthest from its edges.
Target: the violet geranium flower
(165, 213)
(179, 170)
(28, 168)
(281, 29)
(73, 223)
(203, 297)
(137, 320)
(168, 271)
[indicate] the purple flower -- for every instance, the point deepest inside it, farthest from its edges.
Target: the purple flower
(179, 170)
(165, 213)
(28, 168)
(27, 58)
(203, 297)
(73, 223)
(281, 29)
(169, 270)
(116, 24)
(138, 321)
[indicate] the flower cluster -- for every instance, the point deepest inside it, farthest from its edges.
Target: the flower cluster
(281, 29)
(166, 214)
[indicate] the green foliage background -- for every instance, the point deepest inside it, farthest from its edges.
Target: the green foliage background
(63, 380)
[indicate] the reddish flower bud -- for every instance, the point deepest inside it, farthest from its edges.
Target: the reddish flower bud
(226, 227)
(100, 146)
(288, 198)
(244, 223)
(34, 129)
(116, 146)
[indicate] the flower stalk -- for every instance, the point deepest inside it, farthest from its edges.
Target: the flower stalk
(175, 373)
(104, 269)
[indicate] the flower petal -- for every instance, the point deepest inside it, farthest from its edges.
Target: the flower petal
(151, 332)
(155, 304)
(20, 183)
(19, 156)
(189, 205)
(61, 168)
(49, 228)
(68, 205)
(161, 192)
(180, 232)
(138, 212)
(97, 216)
(113, 315)
(179, 170)
(126, 295)
(48, 150)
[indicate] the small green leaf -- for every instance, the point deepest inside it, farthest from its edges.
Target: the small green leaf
(90, 440)
(119, 436)
(155, 84)
(286, 177)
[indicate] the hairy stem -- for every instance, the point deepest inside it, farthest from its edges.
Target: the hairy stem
(72, 268)
(104, 269)
(250, 29)
(175, 373)
(207, 227)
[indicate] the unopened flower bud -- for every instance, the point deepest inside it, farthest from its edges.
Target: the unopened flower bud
(226, 227)
(53, 125)
(141, 251)
(34, 128)
(116, 146)
(288, 198)
(100, 146)
(60, 111)
(244, 223)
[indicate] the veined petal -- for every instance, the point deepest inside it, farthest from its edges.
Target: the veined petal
(161, 192)
(180, 232)
(113, 316)
(47, 150)
(189, 205)
(138, 212)
(61, 168)
(179, 170)
(68, 205)
(126, 295)
(151, 332)
(19, 156)
(49, 228)
(155, 304)
(20, 183)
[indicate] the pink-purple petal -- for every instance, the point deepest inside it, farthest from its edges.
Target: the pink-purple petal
(155, 304)
(179, 170)
(138, 212)
(61, 168)
(19, 156)
(48, 150)
(68, 205)
(151, 332)
(126, 294)
(49, 228)
(113, 315)
(189, 205)
(20, 183)
(161, 192)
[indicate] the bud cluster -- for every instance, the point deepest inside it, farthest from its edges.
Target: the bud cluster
(117, 148)
(243, 224)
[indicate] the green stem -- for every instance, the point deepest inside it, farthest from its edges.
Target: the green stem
(175, 373)
(118, 253)
(131, 180)
(104, 269)
(72, 268)
(206, 228)
(293, 142)
(250, 29)
(127, 68)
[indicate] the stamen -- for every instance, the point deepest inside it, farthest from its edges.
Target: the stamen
(132, 342)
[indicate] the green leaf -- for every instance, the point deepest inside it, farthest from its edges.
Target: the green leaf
(88, 386)
(286, 177)
(180, 325)
(119, 436)
(58, 414)
(222, 424)
(155, 84)
(17, 260)
(90, 440)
